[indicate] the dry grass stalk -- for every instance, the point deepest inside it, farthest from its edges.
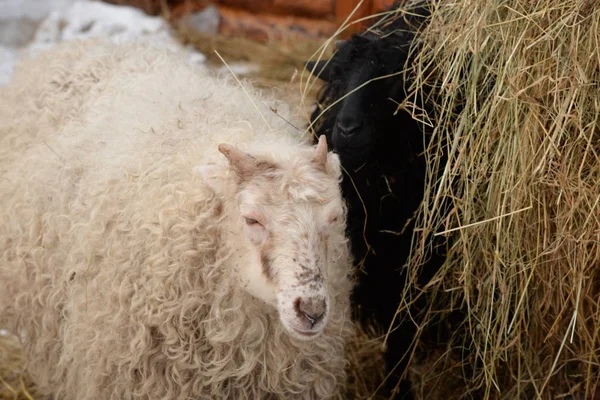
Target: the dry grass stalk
(367, 369)
(15, 384)
(278, 60)
(522, 179)
(437, 373)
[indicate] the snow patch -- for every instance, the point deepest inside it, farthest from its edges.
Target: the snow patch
(66, 20)
(8, 59)
(19, 19)
(120, 24)
(32, 9)
(240, 69)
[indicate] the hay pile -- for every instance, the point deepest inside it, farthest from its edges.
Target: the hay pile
(523, 184)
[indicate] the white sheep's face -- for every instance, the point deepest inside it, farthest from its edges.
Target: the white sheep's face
(294, 218)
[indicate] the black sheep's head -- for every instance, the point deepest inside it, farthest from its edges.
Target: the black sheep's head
(367, 101)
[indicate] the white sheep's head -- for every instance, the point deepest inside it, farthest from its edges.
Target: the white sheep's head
(292, 215)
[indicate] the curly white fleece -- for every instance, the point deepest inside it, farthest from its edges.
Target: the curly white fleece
(113, 267)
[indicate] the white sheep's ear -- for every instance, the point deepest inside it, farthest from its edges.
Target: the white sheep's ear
(206, 171)
(211, 174)
(244, 164)
(320, 160)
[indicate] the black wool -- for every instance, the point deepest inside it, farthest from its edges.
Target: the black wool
(381, 148)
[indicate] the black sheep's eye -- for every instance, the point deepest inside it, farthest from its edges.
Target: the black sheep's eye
(251, 221)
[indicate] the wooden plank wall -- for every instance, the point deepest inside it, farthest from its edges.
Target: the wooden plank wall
(343, 8)
(264, 19)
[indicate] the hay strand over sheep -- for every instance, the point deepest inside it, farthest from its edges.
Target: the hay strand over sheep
(522, 180)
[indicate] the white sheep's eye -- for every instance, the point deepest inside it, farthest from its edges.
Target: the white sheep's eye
(334, 219)
(251, 221)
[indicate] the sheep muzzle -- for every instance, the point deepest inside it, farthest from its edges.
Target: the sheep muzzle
(304, 312)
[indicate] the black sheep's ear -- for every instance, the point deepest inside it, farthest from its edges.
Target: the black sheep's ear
(370, 36)
(320, 69)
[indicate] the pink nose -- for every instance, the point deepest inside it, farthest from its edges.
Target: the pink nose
(312, 309)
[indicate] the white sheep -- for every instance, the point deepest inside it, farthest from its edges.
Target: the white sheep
(142, 258)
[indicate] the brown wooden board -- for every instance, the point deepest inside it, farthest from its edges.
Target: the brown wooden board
(343, 8)
(381, 5)
(152, 7)
(299, 8)
(263, 26)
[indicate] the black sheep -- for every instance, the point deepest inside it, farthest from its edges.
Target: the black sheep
(381, 150)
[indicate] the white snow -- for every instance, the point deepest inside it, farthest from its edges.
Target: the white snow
(18, 23)
(239, 68)
(90, 19)
(33, 9)
(56, 21)
(8, 59)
